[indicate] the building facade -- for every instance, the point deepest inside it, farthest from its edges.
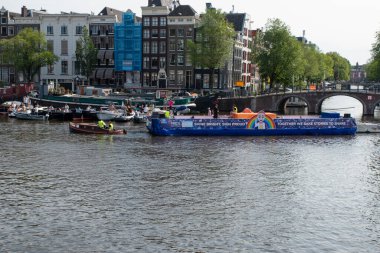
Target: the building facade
(102, 34)
(154, 43)
(181, 25)
(241, 63)
(128, 50)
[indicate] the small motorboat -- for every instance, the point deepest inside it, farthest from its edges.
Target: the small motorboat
(91, 128)
(28, 115)
(125, 117)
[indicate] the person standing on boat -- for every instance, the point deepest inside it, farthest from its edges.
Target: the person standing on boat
(209, 113)
(170, 104)
(216, 111)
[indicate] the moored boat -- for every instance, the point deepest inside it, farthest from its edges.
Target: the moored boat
(28, 115)
(91, 128)
(259, 124)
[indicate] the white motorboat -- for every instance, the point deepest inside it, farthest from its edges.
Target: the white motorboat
(365, 127)
(107, 115)
(124, 117)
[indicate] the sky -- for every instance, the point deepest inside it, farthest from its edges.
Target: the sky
(344, 26)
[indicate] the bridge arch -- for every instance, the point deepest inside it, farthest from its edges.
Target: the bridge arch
(280, 105)
(318, 106)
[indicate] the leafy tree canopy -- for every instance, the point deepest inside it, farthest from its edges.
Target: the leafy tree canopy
(214, 41)
(278, 54)
(86, 54)
(28, 52)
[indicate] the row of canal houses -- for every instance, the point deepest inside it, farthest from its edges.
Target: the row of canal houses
(147, 52)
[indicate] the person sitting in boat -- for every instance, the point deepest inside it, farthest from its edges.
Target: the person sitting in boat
(66, 108)
(110, 126)
(235, 109)
(101, 124)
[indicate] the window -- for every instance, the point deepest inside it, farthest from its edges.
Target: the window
(162, 62)
(189, 32)
(146, 79)
(146, 33)
(154, 21)
(163, 33)
(154, 33)
(206, 81)
(181, 33)
(146, 49)
(78, 30)
(162, 21)
(146, 21)
(146, 63)
(180, 60)
(172, 76)
(154, 48)
(64, 67)
(11, 30)
(76, 68)
(49, 30)
(3, 20)
(162, 47)
(50, 69)
(63, 30)
(172, 45)
(64, 50)
(180, 45)
(3, 31)
(172, 32)
(50, 45)
(172, 59)
(154, 63)
(179, 76)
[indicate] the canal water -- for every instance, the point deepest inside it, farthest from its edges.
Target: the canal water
(64, 192)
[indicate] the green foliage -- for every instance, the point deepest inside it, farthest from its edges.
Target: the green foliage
(373, 70)
(28, 52)
(214, 41)
(373, 67)
(278, 54)
(86, 54)
(341, 67)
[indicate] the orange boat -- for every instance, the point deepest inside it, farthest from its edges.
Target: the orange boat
(91, 128)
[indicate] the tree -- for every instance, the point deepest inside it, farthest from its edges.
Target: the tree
(28, 52)
(341, 67)
(214, 42)
(86, 54)
(373, 67)
(278, 54)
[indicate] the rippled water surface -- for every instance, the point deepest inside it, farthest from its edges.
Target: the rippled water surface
(64, 192)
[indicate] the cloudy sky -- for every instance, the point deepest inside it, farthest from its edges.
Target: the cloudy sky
(344, 26)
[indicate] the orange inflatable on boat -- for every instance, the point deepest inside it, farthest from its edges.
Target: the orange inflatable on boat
(247, 114)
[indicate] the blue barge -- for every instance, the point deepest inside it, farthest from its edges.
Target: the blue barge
(260, 124)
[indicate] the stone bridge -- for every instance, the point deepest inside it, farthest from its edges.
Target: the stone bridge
(275, 102)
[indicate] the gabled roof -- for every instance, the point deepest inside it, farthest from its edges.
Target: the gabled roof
(183, 10)
(237, 19)
(159, 3)
(107, 11)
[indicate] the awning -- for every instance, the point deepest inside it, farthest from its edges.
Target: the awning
(101, 54)
(109, 54)
(100, 73)
(108, 74)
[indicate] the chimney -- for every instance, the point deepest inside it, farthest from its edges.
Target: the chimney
(24, 11)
